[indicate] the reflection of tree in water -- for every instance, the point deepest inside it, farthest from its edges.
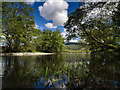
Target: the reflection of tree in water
(24, 71)
(18, 72)
(105, 69)
(49, 67)
(102, 72)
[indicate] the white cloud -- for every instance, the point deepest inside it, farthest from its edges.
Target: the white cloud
(55, 11)
(73, 40)
(50, 25)
(64, 36)
(36, 26)
(64, 33)
(30, 2)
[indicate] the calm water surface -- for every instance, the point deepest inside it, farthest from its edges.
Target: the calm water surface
(97, 70)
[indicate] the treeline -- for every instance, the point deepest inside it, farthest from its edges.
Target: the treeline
(50, 41)
(18, 28)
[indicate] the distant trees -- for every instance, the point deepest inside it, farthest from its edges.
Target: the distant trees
(18, 27)
(100, 31)
(50, 41)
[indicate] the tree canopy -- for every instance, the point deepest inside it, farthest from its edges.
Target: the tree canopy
(50, 41)
(18, 28)
(17, 25)
(94, 24)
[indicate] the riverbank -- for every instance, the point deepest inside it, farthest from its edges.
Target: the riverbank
(24, 54)
(76, 51)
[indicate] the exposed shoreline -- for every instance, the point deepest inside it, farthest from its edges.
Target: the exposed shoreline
(25, 54)
(32, 54)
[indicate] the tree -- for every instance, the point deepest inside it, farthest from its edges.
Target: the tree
(57, 42)
(98, 31)
(116, 15)
(50, 41)
(17, 25)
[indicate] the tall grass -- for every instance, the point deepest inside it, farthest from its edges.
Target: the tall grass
(74, 71)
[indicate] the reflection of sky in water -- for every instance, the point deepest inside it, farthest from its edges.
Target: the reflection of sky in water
(0, 69)
(116, 84)
(88, 62)
(57, 84)
(31, 67)
(40, 83)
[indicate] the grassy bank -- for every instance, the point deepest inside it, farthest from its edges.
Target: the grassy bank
(76, 51)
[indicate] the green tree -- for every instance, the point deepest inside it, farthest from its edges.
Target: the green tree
(116, 15)
(17, 25)
(50, 41)
(98, 31)
(57, 42)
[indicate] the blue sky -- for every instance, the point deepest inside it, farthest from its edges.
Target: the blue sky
(41, 21)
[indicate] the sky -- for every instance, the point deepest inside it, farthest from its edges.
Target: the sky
(53, 14)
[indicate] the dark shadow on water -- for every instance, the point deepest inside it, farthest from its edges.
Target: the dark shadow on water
(97, 70)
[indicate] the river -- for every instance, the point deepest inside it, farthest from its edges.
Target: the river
(96, 70)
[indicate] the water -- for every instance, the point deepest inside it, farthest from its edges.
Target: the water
(97, 70)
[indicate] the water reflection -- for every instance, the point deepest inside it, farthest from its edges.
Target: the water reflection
(24, 71)
(97, 70)
(105, 70)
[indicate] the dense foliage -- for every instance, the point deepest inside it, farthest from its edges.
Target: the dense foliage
(50, 41)
(18, 28)
(18, 23)
(100, 31)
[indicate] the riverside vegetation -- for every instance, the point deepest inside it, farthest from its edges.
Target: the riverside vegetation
(99, 35)
(19, 32)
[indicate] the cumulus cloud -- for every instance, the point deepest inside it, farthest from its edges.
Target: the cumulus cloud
(50, 25)
(55, 11)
